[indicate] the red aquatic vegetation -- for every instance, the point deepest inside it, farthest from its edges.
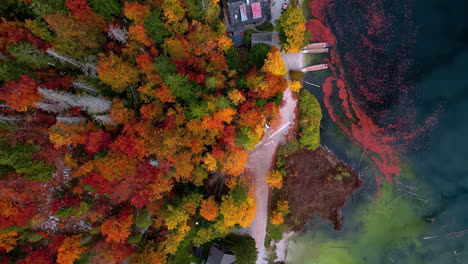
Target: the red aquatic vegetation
(372, 77)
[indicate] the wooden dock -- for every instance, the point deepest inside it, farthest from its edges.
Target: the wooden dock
(315, 67)
(316, 50)
(317, 45)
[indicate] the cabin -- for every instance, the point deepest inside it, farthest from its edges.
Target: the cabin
(218, 255)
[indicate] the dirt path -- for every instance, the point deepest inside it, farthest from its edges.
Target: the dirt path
(260, 163)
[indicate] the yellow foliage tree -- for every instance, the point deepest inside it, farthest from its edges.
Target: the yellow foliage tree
(236, 97)
(224, 43)
(210, 162)
(291, 27)
(274, 63)
(177, 217)
(275, 179)
(242, 214)
(295, 86)
(69, 250)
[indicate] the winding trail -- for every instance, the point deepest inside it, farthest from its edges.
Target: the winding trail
(260, 163)
(262, 158)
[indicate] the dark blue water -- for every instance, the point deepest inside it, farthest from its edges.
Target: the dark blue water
(423, 216)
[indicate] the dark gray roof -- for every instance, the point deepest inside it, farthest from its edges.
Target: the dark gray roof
(266, 37)
(219, 256)
(235, 16)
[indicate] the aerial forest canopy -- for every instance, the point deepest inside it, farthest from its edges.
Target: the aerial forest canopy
(113, 116)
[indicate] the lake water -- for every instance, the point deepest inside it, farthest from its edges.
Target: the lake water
(405, 66)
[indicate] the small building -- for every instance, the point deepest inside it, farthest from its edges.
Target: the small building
(244, 12)
(218, 255)
(266, 38)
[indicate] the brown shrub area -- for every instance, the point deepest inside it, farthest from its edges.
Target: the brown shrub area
(317, 182)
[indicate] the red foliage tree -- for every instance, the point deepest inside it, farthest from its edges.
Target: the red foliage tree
(20, 95)
(83, 12)
(38, 256)
(97, 141)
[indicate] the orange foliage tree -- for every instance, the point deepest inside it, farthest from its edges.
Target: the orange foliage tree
(238, 207)
(209, 209)
(117, 229)
(8, 240)
(69, 134)
(282, 209)
(69, 250)
(234, 163)
(136, 11)
(115, 72)
(138, 33)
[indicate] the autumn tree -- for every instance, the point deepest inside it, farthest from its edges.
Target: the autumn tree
(274, 63)
(295, 86)
(70, 250)
(115, 72)
(292, 30)
(70, 134)
(136, 11)
(234, 162)
(275, 179)
(238, 207)
(282, 209)
(21, 94)
(117, 228)
(116, 114)
(8, 240)
(209, 209)
(75, 38)
(149, 254)
(111, 252)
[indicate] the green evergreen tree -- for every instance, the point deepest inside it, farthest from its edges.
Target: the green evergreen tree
(20, 159)
(26, 54)
(243, 247)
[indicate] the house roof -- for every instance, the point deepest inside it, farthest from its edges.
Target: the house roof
(219, 256)
(245, 12)
(256, 10)
(262, 37)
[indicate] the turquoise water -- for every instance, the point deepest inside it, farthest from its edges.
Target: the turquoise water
(422, 217)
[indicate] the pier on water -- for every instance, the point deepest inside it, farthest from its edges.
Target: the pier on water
(321, 47)
(315, 67)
